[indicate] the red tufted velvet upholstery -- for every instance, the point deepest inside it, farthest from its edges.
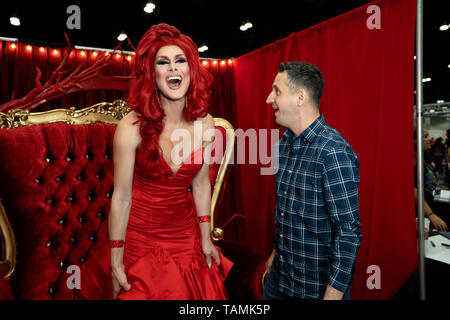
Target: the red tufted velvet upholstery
(57, 181)
(56, 187)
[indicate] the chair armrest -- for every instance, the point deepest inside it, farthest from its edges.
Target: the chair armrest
(8, 262)
(217, 233)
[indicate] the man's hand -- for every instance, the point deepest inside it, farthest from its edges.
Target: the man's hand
(332, 294)
(269, 261)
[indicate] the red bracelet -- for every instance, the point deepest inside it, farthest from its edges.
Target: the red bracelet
(116, 243)
(203, 219)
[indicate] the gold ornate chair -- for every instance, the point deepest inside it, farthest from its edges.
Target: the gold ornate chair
(57, 180)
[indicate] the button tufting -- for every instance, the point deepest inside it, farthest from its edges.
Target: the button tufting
(97, 176)
(91, 197)
(93, 237)
(68, 158)
(49, 201)
(87, 156)
(101, 215)
(61, 221)
(70, 199)
(48, 244)
(80, 177)
(108, 195)
(51, 290)
(73, 240)
(61, 264)
(83, 260)
(37, 181)
(82, 219)
(47, 159)
(106, 156)
(58, 179)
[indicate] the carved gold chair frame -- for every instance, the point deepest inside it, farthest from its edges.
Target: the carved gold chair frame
(108, 112)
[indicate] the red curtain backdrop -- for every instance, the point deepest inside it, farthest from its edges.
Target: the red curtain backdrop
(368, 97)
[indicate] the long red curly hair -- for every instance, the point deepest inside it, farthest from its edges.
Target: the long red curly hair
(144, 93)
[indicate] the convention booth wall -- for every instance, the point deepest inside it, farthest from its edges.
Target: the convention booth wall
(368, 97)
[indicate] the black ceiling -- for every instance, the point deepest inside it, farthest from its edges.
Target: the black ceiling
(215, 23)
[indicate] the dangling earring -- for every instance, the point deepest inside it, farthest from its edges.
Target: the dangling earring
(186, 104)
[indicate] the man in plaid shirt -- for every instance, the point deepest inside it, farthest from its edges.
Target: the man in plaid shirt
(317, 213)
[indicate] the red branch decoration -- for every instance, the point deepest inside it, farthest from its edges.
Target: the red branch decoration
(81, 79)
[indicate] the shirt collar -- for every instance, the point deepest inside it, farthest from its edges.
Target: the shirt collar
(308, 134)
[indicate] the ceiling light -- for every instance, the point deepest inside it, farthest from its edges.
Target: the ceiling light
(426, 79)
(414, 57)
(149, 7)
(122, 36)
(449, 65)
(203, 48)
(246, 25)
(444, 27)
(14, 21)
(440, 101)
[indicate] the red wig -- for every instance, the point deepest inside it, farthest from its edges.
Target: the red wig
(144, 94)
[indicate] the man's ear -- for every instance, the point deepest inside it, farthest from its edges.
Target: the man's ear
(301, 97)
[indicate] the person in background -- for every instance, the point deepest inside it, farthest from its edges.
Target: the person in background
(438, 154)
(430, 180)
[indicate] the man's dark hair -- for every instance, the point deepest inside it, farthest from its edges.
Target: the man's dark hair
(303, 74)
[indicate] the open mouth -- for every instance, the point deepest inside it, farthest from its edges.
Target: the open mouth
(174, 82)
(275, 108)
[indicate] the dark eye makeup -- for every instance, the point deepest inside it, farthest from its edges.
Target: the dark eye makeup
(165, 61)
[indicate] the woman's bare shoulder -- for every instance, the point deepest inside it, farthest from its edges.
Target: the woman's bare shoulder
(128, 128)
(130, 117)
(208, 121)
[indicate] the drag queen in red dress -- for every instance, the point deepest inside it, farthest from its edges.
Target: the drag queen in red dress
(159, 227)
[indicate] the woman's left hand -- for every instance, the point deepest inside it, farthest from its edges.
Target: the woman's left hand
(210, 252)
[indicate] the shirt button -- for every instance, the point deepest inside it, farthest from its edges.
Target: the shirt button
(289, 171)
(282, 214)
(285, 193)
(281, 256)
(281, 236)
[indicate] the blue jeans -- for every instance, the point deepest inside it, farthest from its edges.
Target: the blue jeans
(272, 292)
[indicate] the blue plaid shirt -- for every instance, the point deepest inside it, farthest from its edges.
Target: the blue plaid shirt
(317, 213)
